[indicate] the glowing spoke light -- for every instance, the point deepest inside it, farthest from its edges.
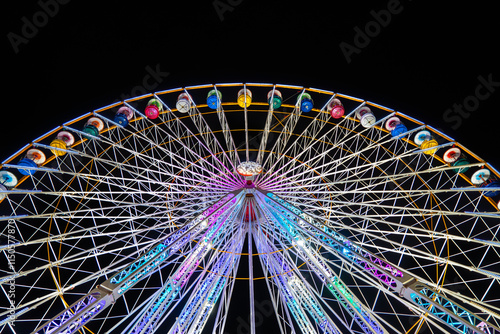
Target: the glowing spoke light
(106, 293)
(198, 308)
(362, 316)
(153, 315)
(451, 313)
(296, 296)
(443, 309)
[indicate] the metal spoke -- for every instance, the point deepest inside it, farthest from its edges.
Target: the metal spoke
(145, 216)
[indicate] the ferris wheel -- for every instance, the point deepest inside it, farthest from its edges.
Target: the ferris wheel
(168, 211)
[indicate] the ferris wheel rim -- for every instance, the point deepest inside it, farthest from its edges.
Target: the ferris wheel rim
(276, 152)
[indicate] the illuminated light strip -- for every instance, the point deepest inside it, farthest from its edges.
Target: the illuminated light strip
(290, 300)
(167, 296)
(207, 289)
(281, 281)
(190, 263)
(117, 279)
(452, 308)
(298, 240)
(408, 288)
(108, 292)
(288, 280)
(14, 316)
(209, 303)
(353, 302)
(180, 277)
(84, 317)
(367, 261)
(344, 247)
(69, 313)
(217, 279)
(196, 312)
(175, 292)
(292, 297)
(79, 313)
(188, 232)
(293, 305)
(182, 274)
(362, 317)
(127, 272)
(300, 317)
(312, 306)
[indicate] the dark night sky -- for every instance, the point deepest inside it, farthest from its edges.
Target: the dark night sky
(420, 60)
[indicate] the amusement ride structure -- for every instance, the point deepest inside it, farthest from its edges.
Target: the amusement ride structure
(348, 216)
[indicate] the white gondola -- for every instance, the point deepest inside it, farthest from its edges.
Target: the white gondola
(451, 155)
(8, 179)
(480, 176)
(183, 104)
(36, 155)
(366, 117)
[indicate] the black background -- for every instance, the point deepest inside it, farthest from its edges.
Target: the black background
(86, 55)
